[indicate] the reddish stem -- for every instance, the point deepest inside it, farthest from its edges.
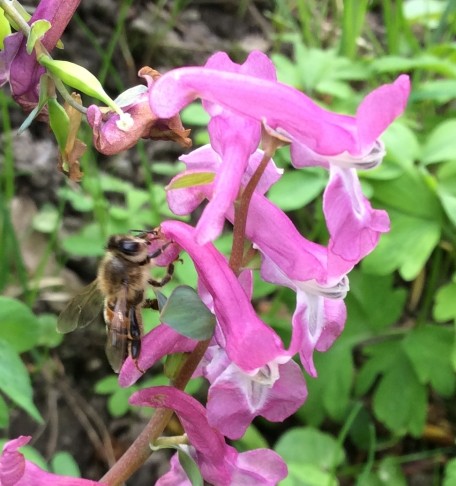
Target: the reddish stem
(135, 456)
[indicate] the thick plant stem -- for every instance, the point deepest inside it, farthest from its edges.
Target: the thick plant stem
(240, 216)
(242, 206)
(139, 451)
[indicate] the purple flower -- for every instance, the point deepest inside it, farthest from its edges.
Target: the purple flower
(354, 227)
(320, 312)
(156, 344)
(239, 328)
(314, 273)
(234, 138)
(220, 464)
(109, 139)
(235, 398)
(15, 470)
(284, 108)
(21, 69)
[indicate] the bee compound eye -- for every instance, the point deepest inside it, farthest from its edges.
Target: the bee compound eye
(129, 247)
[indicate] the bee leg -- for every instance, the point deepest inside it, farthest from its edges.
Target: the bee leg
(134, 347)
(160, 250)
(134, 338)
(165, 279)
(150, 304)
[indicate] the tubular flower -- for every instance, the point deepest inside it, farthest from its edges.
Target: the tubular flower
(238, 325)
(234, 138)
(20, 68)
(320, 312)
(156, 344)
(109, 139)
(15, 470)
(220, 464)
(235, 398)
(284, 108)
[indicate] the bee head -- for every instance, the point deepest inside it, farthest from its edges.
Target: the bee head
(127, 245)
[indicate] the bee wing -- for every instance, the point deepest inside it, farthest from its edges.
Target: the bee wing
(82, 309)
(117, 329)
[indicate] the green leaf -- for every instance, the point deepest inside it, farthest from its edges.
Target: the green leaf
(118, 404)
(416, 216)
(381, 358)
(37, 31)
(307, 475)
(306, 445)
(398, 250)
(402, 146)
(47, 219)
(78, 200)
(441, 143)
(191, 180)
(63, 464)
(107, 385)
(295, 189)
(88, 242)
(15, 381)
(48, 335)
(388, 473)
(287, 71)
(450, 473)
(438, 91)
(425, 62)
(190, 467)
(429, 348)
(5, 27)
(373, 304)
(445, 303)
(446, 188)
(77, 77)
(59, 122)
(426, 12)
(336, 373)
(400, 399)
(195, 114)
(185, 312)
(4, 414)
(19, 326)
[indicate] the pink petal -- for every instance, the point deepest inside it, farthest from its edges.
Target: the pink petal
(236, 317)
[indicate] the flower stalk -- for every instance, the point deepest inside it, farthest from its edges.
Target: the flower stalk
(139, 451)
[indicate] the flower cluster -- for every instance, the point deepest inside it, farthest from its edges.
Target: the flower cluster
(250, 371)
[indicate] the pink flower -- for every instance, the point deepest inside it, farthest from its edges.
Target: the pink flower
(320, 312)
(15, 470)
(239, 328)
(220, 464)
(156, 344)
(284, 108)
(234, 138)
(354, 226)
(235, 398)
(109, 139)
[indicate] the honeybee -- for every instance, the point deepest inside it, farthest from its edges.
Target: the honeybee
(118, 291)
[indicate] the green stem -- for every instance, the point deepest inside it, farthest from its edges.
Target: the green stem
(12, 13)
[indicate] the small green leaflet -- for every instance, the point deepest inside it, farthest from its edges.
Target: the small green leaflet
(185, 312)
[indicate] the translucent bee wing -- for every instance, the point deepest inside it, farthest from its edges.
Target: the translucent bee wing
(82, 310)
(117, 327)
